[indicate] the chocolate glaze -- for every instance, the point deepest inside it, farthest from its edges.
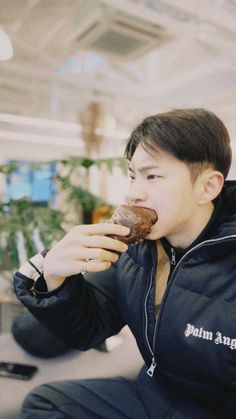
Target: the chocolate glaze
(139, 219)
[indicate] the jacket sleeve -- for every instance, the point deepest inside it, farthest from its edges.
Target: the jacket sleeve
(82, 311)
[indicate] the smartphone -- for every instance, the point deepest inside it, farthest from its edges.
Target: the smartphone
(19, 371)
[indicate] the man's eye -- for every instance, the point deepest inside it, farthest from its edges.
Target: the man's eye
(151, 177)
(131, 178)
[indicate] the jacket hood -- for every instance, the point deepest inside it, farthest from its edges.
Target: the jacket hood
(229, 195)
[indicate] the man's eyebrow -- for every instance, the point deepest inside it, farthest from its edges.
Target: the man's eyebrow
(144, 168)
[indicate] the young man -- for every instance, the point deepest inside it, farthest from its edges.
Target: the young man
(176, 290)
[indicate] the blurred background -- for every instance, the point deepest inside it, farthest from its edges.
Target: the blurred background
(75, 77)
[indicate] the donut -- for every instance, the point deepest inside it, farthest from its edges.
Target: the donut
(139, 219)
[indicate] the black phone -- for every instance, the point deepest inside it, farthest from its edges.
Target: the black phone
(19, 371)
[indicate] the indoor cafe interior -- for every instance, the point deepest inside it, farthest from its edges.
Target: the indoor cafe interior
(76, 77)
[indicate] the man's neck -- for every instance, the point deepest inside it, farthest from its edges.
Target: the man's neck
(186, 237)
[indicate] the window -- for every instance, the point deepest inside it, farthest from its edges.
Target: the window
(34, 183)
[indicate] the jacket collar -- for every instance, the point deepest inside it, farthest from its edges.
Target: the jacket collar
(224, 205)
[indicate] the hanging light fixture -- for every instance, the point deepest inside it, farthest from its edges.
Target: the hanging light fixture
(6, 49)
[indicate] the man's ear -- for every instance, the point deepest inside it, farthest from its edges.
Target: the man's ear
(211, 183)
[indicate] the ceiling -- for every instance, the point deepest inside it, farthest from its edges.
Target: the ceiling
(53, 76)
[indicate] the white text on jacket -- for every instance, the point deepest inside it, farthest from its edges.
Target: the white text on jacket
(217, 337)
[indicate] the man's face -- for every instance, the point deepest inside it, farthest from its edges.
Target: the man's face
(163, 183)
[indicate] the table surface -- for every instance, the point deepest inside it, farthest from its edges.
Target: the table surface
(124, 360)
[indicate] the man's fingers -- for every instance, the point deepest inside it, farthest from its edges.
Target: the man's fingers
(103, 229)
(86, 248)
(103, 242)
(94, 266)
(95, 235)
(96, 253)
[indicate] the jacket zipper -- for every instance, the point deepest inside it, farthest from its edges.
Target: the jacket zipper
(146, 316)
(173, 258)
(153, 365)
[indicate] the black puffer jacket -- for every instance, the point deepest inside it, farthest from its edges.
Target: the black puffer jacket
(193, 342)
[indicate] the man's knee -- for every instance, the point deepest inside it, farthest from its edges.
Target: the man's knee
(52, 401)
(38, 402)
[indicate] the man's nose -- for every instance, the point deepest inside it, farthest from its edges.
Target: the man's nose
(137, 193)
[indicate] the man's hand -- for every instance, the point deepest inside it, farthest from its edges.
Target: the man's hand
(84, 248)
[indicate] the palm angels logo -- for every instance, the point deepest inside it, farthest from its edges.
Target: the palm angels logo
(218, 338)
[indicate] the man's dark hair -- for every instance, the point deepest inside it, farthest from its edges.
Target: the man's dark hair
(195, 136)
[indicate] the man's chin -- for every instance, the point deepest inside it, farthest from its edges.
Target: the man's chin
(152, 236)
